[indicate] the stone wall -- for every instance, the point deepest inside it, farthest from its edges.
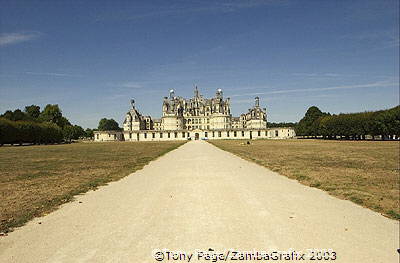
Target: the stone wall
(108, 136)
(155, 135)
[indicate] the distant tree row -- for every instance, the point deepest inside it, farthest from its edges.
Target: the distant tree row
(281, 124)
(356, 126)
(35, 126)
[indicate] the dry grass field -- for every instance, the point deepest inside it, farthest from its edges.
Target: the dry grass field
(35, 180)
(365, 172)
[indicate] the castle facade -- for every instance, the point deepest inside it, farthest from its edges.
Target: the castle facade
(195, 118)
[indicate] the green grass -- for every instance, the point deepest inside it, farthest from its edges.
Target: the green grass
(35, 180)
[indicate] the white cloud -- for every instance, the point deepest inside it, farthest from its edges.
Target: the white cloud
(182, 10)
(317, 74)
(131, 85)
(50, 74)
(14, 38)
(379, 84)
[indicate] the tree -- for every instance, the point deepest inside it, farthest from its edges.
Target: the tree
(89, 133)
(68, 132)
(8, 115)
(52, 113)
(62, 122)
(72, 132)
(308, 124)
(78, 132)
(108, 125)
(281, 124)
(16, 115)
(32, 111)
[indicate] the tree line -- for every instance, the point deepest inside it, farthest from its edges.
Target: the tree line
(281, 124)
(356, 126)
(35, 126)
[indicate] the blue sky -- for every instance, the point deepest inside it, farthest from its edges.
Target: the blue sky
(91, 57)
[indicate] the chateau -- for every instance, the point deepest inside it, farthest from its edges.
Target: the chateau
(196, 118)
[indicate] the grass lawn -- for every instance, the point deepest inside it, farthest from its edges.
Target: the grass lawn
(35, 180)
(365, 172)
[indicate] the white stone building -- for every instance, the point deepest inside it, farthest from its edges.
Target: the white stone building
(197, 118)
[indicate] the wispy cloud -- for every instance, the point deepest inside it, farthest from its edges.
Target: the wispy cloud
(199, 8)
(313, 75)
(246, 101)
(15, 38)
(375, 39)
(54, 74)
(379, 84)
(131, 85)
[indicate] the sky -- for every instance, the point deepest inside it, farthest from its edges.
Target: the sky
(92, 57)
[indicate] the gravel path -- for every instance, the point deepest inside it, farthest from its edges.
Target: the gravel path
(197, 198)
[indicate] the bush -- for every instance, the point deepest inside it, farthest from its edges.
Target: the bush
(29, 132)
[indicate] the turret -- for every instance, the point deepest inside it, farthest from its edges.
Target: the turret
(218, 94)
(171, 94)
(257, 101)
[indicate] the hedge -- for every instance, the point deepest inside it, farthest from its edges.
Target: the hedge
(12, 132)
(385, 123)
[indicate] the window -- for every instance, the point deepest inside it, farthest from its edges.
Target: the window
(234, 134)
(183, 134)
(276, 133)
(154, 135)
(259, 133)
(169, 135)
(176, 134)
(219, 134)
(242, 133)
(145, 135)
(266, 133)
(206, 134)
(227, 134)
(97, 136)
(160, 134)
(213, 134)
(115, 136)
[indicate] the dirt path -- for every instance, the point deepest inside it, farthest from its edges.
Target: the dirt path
(200, 197)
